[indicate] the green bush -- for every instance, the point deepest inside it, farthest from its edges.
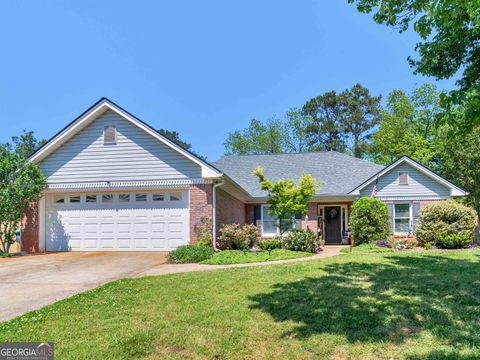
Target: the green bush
(190, 254)
(270, 244)
(454, 241)
(236, 237)
(369, 221)
(301, 240)
(442, 218)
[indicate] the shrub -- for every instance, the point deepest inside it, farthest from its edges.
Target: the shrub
(454, 241)
(269, 245)
(190, 254)
(403, 243)
(442, 218)
(236, 237)
(301, 240)
(369, 221)
(203, 231)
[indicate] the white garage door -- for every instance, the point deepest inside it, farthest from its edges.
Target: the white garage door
(141, 221)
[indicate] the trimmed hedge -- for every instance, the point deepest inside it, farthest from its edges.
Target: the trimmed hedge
(446, 224)
(369, 221)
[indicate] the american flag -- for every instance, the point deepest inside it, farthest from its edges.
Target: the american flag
(375, 189)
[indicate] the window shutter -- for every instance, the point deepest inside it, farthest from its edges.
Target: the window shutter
(109, 135)
(257, 215)
(390, 216)
(415, 214)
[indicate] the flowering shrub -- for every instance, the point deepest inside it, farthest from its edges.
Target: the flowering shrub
(236, 237)
(301, 240)
(403, 243)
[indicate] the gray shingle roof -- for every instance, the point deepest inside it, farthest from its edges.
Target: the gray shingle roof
(340, 172)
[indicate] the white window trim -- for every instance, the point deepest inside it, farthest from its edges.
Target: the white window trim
(408, 178)
(410, 220)
(277, 232)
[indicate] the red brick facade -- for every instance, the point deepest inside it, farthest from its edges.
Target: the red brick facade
(200, 206)
(229, 209)
(29, 228)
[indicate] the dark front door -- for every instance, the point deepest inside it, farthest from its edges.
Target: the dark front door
(333, 231)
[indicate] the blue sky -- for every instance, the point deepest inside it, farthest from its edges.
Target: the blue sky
(202, 68)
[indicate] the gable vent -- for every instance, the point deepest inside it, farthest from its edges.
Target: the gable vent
(403, 178)
(109, 135)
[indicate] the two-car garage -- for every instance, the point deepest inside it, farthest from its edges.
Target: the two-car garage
(116, 221)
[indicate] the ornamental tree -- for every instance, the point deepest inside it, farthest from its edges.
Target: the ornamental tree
(20, 184)
(287, 199)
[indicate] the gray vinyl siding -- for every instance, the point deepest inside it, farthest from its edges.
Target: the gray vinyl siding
(136, 156)
(420, 185)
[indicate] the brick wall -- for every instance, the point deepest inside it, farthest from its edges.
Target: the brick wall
(29, 227)
(312, 223)
(200, 206)
(250, 214)
(229, 209)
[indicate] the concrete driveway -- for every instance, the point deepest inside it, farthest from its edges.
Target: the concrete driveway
(31, 282)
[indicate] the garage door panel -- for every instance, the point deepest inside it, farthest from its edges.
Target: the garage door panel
(150, 225)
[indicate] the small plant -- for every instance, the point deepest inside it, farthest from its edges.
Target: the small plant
(203, 231)
(454, 241)
(190, 254)
(369, 221)
(269, 245)
(236, 237)
(301, 240)
(403, 243)
(383, 243)
(442, 218)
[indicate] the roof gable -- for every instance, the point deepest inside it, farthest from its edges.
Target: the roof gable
(454, 190)
(93, 113)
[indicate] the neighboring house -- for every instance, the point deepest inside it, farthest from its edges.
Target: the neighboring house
(114, 183)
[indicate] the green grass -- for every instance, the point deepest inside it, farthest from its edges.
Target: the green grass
(366, 248)
(6, 255)
(239, 257)
(400, 305)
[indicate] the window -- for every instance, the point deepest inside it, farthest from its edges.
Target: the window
(124, 198)
(403, 178)
(107, 198)
(402, 218)
(140, 197)
(59, 199)
(91, 198)
(269, 223)
(175, 196)
(74, 199)
(158, 197)
(109, 135)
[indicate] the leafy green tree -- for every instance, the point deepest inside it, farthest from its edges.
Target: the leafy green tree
(361, 115)
(20, 184)
(450, 43)
(326, 112)
(257, 138)
(25, 144)
(287, 199)
(298, 139)
(405, 127)
(460, 163)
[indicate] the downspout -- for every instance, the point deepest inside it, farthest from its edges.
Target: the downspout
(214, 218)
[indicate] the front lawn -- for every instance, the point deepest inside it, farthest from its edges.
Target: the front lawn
(239, 257)
(400, 305)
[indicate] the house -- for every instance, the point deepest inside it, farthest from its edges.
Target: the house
(114, 183)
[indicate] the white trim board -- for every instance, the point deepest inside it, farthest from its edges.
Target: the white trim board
(94, 112)
(454, 190)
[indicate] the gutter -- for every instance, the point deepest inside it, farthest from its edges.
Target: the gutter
(214, 218)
